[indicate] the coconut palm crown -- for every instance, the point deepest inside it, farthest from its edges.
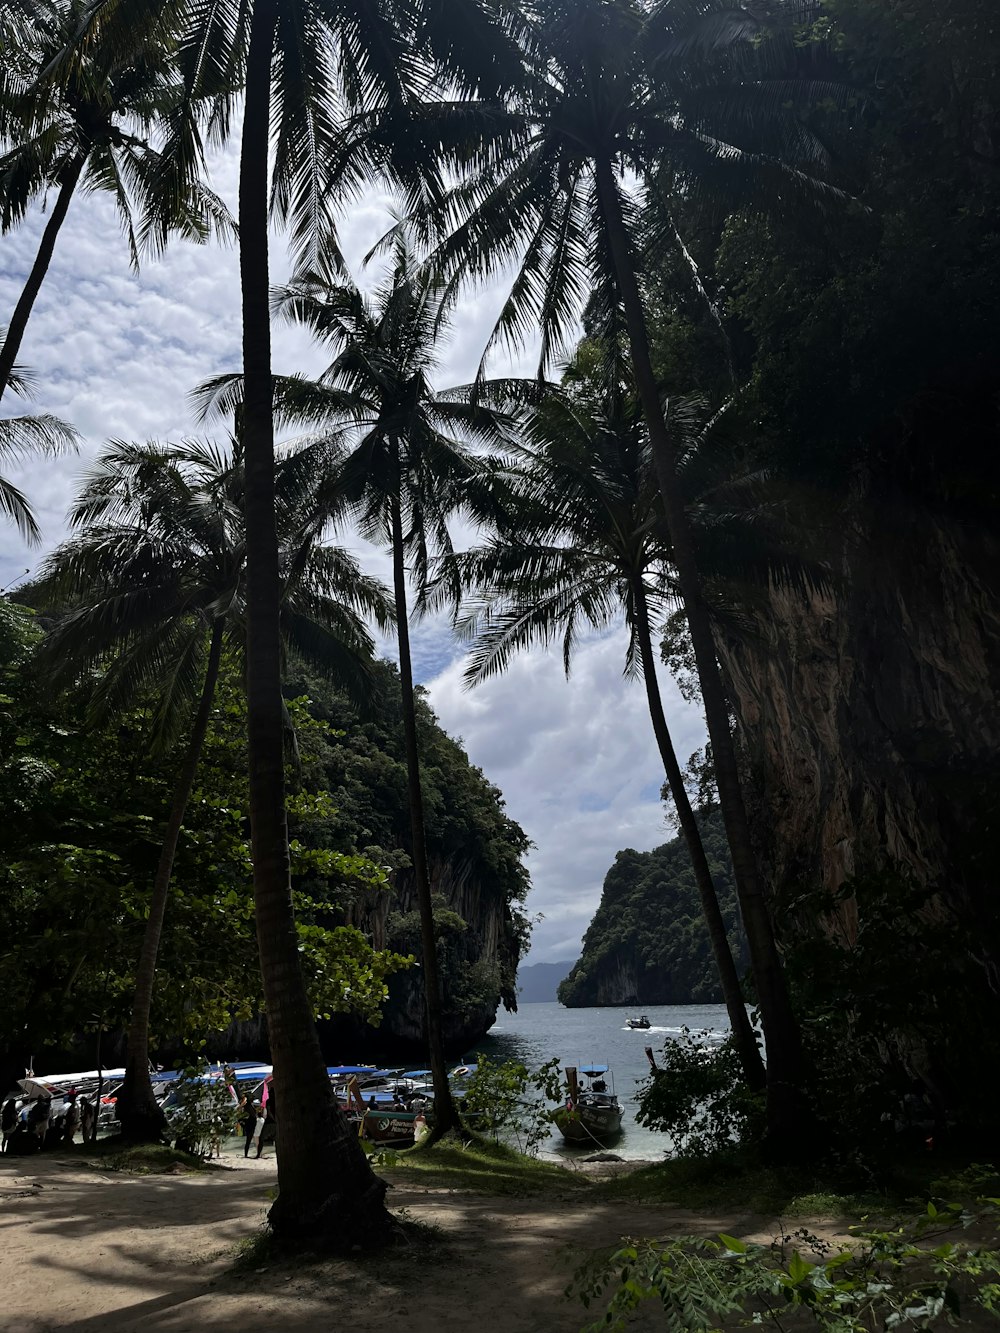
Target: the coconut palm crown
(88, 117)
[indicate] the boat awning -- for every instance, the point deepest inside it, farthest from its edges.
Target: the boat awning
(592, 1071)
(41, 1085)
(417, 1073)
(345, 1071)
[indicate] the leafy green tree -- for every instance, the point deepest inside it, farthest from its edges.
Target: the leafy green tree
(582, 539)
(87, 116)
(407, 472)
(155, 584)
(77, 858)
(614, 92)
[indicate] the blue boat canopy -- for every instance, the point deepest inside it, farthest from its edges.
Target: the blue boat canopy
(591, 1071)
(336, 1070)
(417, 1073)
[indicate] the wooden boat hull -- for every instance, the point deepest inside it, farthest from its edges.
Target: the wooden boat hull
(395, 1128)
(587, 1123)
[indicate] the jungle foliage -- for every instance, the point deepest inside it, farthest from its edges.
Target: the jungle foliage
(79, 853)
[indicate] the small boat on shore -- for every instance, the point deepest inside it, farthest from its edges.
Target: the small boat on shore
(593, 1113)
(388, 1106)
(642, 1024)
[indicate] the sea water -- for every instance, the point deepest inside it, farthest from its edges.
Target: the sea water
(541, 1032)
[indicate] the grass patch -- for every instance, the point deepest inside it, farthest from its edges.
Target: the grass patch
(734, 1185)
(143, 1159)
(257, 1251)
(482, 1167)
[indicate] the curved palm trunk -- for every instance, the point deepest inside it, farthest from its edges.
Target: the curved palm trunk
(22, 311)
(327, 1190)
(785, 1063)
(136, 1108)
(445, 1116)
(743, 1033)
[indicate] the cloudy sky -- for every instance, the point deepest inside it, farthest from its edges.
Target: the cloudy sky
(116, 354)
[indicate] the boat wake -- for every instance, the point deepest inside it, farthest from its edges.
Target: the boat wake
(710, 1037)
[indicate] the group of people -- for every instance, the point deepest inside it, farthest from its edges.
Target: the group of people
(31, 1125)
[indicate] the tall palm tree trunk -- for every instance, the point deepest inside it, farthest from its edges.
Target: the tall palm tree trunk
(22, 311)
(136, 1108)
(445, 1116)
(743, 1033)
(785, 1063)
(326, 1188)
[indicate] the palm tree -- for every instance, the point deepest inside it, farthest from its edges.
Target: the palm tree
(22, 437)
(155, 583)
(581, 539)
(613, 91)
(407, 472)
(300, 66)
(87, 123)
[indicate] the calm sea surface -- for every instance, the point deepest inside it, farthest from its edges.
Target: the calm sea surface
(541, 1032)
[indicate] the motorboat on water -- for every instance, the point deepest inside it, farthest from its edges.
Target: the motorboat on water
(592, 1113)
(642, 1024)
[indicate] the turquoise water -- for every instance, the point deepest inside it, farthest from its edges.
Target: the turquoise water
(541, 1032)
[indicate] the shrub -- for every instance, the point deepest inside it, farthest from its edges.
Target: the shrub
(698, 1097)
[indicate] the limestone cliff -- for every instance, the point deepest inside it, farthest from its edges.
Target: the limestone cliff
(869, 714)
(647, 943)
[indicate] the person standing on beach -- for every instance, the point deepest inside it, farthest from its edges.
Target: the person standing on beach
(38, 1120)
(71, 1118)
(8, 1121)
(247, 1120)
(269, 1132)
(87, 1114)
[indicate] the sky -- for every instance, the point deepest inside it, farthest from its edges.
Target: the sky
(116, 354)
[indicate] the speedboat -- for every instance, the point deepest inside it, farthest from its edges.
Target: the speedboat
(592, 1113)
(642, 1023)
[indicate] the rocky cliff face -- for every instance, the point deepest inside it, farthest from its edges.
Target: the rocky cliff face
(479, 948)
(870, 720)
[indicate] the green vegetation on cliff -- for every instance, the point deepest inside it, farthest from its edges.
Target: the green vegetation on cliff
(78, 853)
(647, 943)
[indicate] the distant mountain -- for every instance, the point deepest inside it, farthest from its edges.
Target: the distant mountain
(537, 984)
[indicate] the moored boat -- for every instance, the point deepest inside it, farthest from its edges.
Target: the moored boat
(387, 1106)
(592, 1113)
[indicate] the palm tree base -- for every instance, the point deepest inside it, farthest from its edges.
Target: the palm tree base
(341, 1222)
(137, 1110)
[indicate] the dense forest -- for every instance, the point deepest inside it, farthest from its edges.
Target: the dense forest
(82, 840)
(647, 943)
(755, 249)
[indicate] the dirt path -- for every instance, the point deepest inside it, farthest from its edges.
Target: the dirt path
(86, 1249)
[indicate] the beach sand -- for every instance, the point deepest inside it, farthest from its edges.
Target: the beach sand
(82, 1248)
